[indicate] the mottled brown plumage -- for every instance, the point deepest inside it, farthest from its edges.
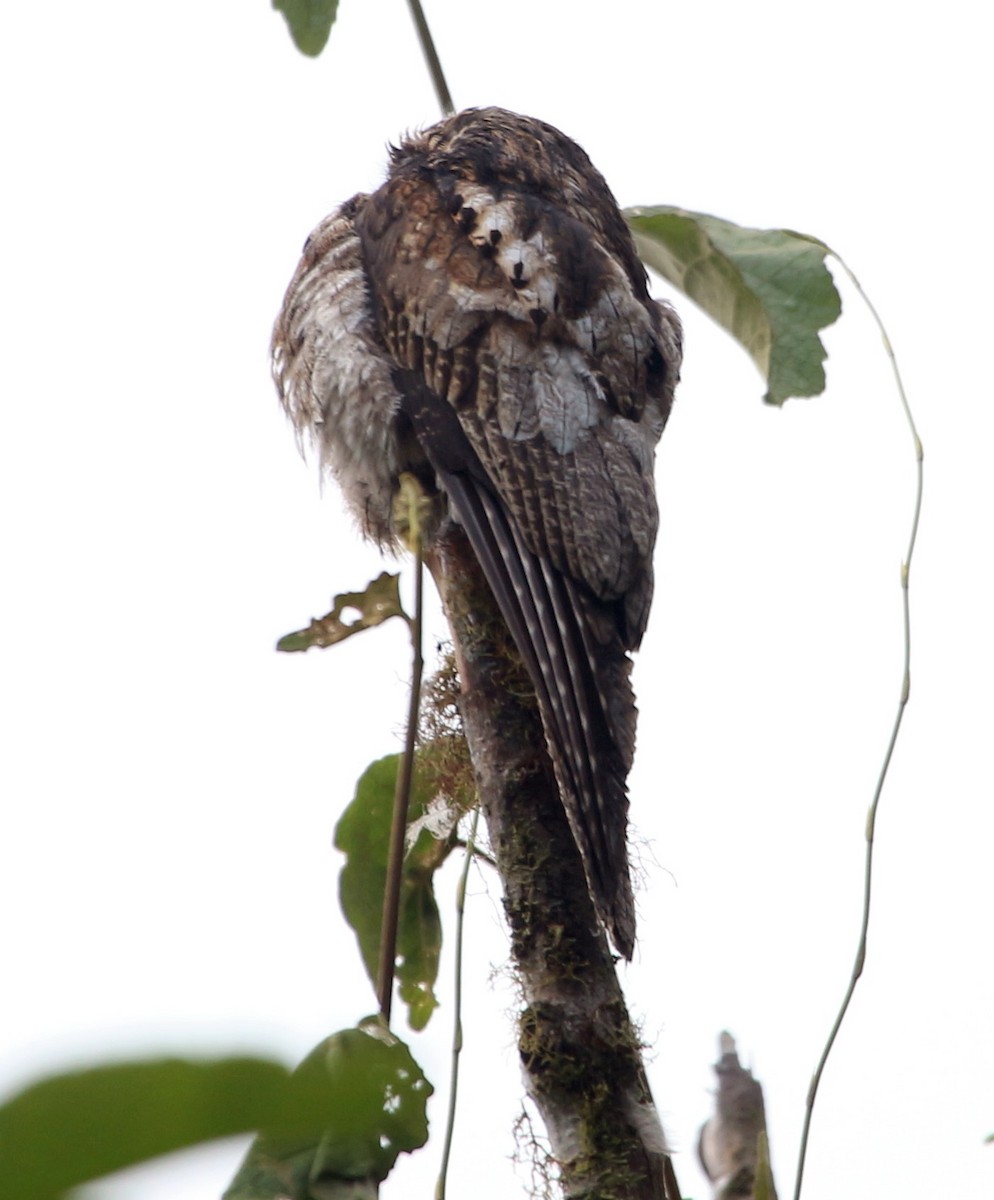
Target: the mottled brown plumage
(482, 320)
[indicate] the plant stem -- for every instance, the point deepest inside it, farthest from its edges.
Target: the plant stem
(401, 802)
(431, 58)
(450, 1121)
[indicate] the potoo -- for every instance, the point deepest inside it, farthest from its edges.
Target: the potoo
(482, 321)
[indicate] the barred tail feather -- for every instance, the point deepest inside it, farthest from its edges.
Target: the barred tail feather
(578, 667)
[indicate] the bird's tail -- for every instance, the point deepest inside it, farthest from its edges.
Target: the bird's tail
(572, 649)
(573, 652)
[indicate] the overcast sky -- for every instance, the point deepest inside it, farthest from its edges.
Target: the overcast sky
(171, 784)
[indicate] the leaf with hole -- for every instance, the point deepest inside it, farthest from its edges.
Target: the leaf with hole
(377, 603)
(381, 1112)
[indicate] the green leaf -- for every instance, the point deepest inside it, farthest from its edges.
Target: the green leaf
(310, 22)
(72, 1128)
(763, 1187)
(381, 1112)
(769, 288)
(363, 834)
(378, 603)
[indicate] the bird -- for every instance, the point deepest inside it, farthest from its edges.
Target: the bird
(482, 321)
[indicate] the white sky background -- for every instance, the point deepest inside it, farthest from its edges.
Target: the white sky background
(171, 784)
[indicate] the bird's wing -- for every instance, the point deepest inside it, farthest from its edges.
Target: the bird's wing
(574, 658)
(535, 382)
(334, 376)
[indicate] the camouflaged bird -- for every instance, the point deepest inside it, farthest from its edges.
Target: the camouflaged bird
(482, 321)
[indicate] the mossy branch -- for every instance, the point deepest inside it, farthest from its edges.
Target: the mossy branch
(580, 1053)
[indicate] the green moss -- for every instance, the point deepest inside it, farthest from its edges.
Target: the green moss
(587, 1069)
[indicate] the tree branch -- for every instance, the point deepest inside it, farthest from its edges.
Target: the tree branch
(580, 1053)
(733, 1147)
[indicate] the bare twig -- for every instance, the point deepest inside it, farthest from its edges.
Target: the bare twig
(732, 1146)
(431, 58)
(401, 801)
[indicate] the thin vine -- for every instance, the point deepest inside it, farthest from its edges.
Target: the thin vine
(450, 1120)
(860, 959)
